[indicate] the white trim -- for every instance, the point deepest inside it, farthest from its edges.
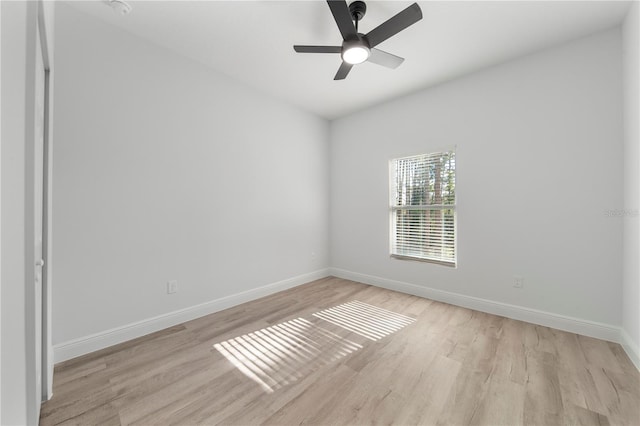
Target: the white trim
(97, 341)
(104, 339)
(630, 347)
(44, 22)
(534, 316)
(0, 222)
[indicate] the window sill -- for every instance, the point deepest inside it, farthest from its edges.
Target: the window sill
(420, 259)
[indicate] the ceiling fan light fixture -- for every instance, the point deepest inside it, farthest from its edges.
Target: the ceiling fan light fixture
(355, 53)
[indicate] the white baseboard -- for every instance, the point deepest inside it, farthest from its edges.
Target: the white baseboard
(547, 319)
(630, 347)
(84, 345)
(104, 339)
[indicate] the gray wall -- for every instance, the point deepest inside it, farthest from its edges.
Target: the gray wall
(17, 19)
(539, 155)
(165, 170)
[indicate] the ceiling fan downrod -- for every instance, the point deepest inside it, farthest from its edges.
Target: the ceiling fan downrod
(357, 9)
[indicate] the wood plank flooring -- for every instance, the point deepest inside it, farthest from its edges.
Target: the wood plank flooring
(339, 352)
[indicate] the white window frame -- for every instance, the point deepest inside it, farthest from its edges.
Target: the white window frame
(394, 208)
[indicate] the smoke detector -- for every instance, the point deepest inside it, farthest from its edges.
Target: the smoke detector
(121, 7)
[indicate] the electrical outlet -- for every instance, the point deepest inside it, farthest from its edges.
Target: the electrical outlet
(518, 281)
(172, 287)
(313, 255)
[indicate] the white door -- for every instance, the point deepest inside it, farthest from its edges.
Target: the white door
(38, 214)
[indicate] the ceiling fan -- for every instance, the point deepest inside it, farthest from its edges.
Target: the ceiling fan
(357, 47)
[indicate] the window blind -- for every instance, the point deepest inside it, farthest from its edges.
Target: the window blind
(423, 207)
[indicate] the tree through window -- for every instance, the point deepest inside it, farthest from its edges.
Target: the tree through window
(423, 207)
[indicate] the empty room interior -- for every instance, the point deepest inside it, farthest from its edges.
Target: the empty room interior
(319, 212)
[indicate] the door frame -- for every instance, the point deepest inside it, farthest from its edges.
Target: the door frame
(32, 408)
(22, 403)
(36, 395)
(47, 346)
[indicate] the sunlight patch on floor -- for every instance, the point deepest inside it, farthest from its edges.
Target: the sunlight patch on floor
(286, 352)
(278, 355)
(366, 320)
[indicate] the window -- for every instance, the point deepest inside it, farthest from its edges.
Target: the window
(423, 207)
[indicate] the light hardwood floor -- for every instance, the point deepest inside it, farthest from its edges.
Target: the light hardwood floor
(339, 352)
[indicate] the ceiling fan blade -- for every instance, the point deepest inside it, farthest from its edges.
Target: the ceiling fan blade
(343, 71)
(341, 14)
(385, 59)
(317, 49)
(394, 25)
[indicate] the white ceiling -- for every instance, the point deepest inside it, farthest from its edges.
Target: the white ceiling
(252, 41)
